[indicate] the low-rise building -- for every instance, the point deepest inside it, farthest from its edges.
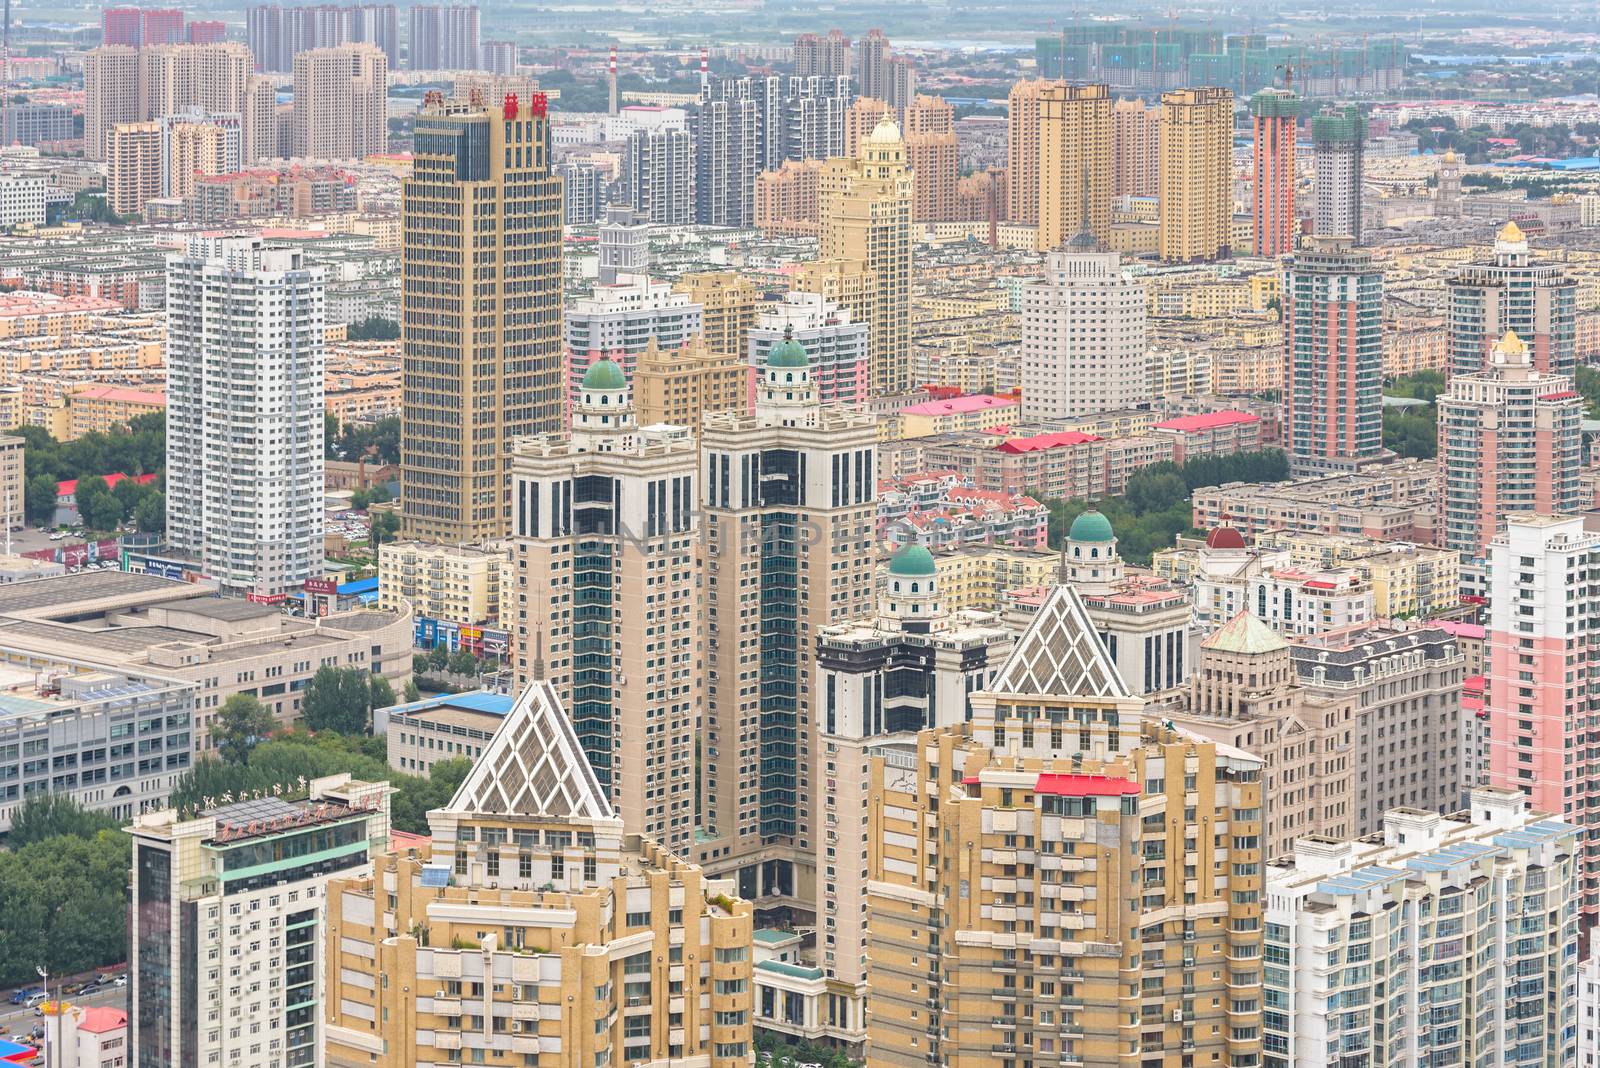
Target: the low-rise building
(422, 733)
(678, 386)
(1452, 938)
(938, 511)
(80, 1037)
(957, 414)
(1387, 502)
(978, 577)
(531, 926)
(228, 959)
(463, 584)
(1407, 579)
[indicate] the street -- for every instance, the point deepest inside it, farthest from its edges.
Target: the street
(15, 1018)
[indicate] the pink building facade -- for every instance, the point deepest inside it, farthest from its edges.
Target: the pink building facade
(1543, 644)
(1274, 113)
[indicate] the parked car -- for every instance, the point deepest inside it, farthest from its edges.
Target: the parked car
(35, 997)
(23, 995)
(121, 980)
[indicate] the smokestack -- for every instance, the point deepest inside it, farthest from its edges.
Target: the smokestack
(611, 77)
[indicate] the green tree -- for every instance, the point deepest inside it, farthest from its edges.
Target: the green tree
(463, 663)
(374, 328)
(129, 492)
(380, 693)
(39, 500)
(337, 700)
(242, 723)
(438, 658)
(1424, 385)
(385, 525)
(100, 509)
(51, 815)
(411, 691)
(61, 900)
(330, 436)
(150, 516)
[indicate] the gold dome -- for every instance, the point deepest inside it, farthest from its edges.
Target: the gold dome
(1511, 344)
(1511, 234)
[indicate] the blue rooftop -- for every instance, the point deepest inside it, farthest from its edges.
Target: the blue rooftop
(486, 701)
(1359, 881)
(359, 586)
(1447, 857)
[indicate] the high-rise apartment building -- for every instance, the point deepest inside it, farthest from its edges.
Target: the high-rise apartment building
(872, 66)
(137, 27)
(498, 57)
(226, 939)
(838, 347)
(195, 145)
(1083, 335)
(914, 664)
(481, 312)
(728, 303)
(865, 228)
(535, 927)
(1022, 149)
(1274, 114)
(1443, 940)
(277, 34)
(787, 499)
(1338, 136)
(617, 321)
(1244, 692)
(828, 55)
(1196, 175)
(583, 192)
(678, 386)
(1333, 356)
(1074, 163)
(860, 120)
(727, 138)
(1510, 440)
(341, 102)
(624, 249)
(1542, 620)
(1061, 879)
(1510, 291)
(1135, 148)
(933, 156)
(608, 606)
(443, 37)
(123, 84)
(660, 166)
(786, 199)
(206, 31)
(902, 82)
(244, 408)
(133, 166)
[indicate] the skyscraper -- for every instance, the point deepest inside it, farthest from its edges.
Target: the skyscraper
(277, 34)
(860, 120)
(341, 102)
(581, 183)
(1135, 148)
(1138, 846)
(1337, 138)
(244, 408)
(1540, 653)
(727, 138)
(1274, 113)
(123, 84)
(609, 603)
(1074, 163)
(138, 27)
(1196, 175)
(865, 229)
(1509, 441)
(1510, 291)
(660, 166)
(828, 56)
(932, 155)
(728, 303)
(481, 312)
(443, 37)
(1022, 150)
(872, 66)
(133, 166)
(1083, 335)
(787, 498)
(1333, 356)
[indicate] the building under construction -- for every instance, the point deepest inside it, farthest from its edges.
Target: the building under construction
(1154, 60)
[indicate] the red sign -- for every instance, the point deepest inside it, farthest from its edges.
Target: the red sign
(267, 598)
(539, 104)
(511, 106)
(327, 587)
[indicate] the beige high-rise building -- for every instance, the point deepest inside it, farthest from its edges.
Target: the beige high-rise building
(786, 199)
(933, 156)
(1196, 175)
(728, 301)
(341, 102)
(860, 120)
(1074, 163)
(533, 927)
(259, 138)
(1135, 148)
(866, 230)
(1244, 693)
(788, 510)
(608, 600)
(1022, 149)
(480, 313)
(123, 84)
(1061, 880)
(194, 150)
(133, 166)
(678, 386)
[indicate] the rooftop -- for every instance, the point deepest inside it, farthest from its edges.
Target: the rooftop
(1189, 424)
(959, 405)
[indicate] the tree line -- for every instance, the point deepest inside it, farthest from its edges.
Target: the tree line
(139, 448)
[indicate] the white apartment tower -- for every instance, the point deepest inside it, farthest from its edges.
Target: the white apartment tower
(1083, 335)
(244, 412)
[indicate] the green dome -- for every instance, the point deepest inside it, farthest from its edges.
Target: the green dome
(1090, 526)
(604, 374)
(788, 352)
(912, 561)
